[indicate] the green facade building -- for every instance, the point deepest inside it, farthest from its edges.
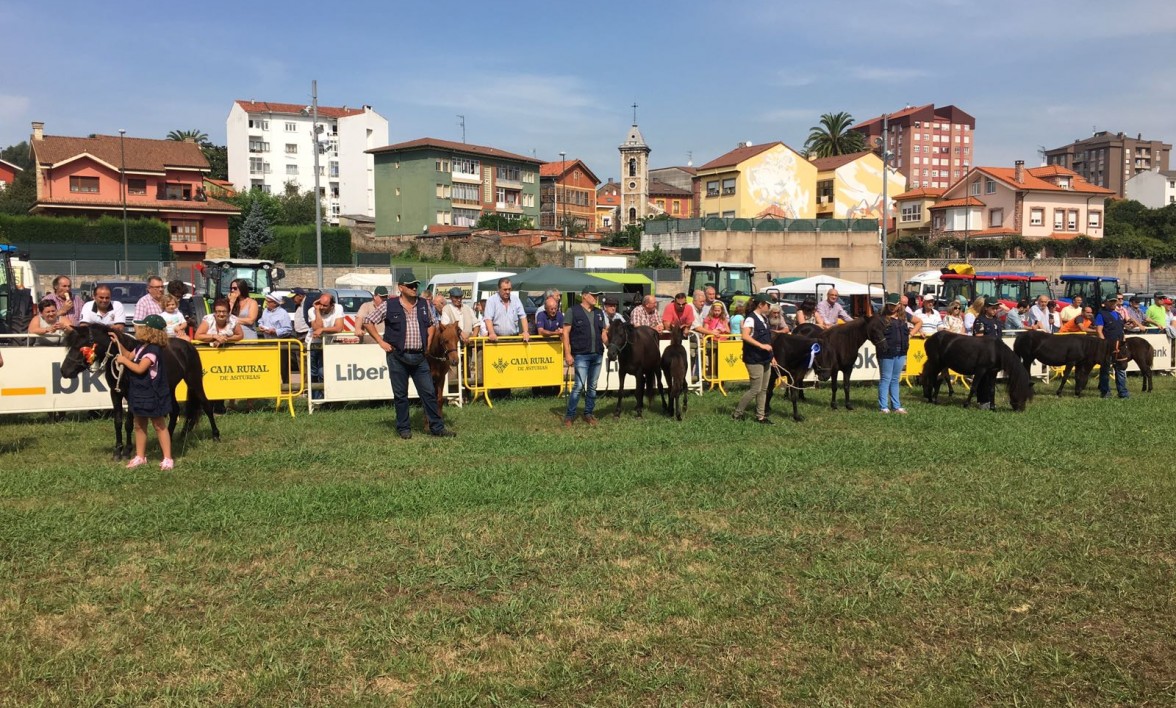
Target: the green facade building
(429, 182)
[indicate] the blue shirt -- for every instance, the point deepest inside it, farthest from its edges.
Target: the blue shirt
(278, 320)
(505, 317)
(551, 324)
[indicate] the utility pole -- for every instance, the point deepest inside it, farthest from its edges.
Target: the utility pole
(318, 202)
(885, 221)
(122, 182)
(555, 209)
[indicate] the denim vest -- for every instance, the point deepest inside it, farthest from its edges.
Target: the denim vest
(395, 323)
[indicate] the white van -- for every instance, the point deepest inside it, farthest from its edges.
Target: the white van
(468, 282)
(926, 283)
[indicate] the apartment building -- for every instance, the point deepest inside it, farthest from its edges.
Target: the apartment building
(1110, 159)
(608, 206)
(757, 180)
(931, 147)
(272, 144)
(164, 180)
(567, 194)
(428, 181)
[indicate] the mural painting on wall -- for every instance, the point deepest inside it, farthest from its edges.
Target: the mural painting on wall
(859, 189)
(774, 179)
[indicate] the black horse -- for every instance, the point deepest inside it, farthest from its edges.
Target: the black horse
(793, 356)
(840, 345)
(1143, 354)
(675, 364)
(638, 352)
(89, 346)
(979, 357)
(1077, 352)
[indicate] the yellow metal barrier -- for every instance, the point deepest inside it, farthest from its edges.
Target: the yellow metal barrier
(251, 368)
(509, 362)
(722, 360)
(917, 357)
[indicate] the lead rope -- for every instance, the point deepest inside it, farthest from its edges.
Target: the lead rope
(783, 375)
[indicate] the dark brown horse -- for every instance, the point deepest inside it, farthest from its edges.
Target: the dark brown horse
(637, 351)
(840, 346)
(675, 364)
(792, 358)
(1143, 354)
(442, 357)
(89, 346)
(982, 358)
(1077, 352)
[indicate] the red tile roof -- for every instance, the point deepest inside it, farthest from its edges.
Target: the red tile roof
(894, 116)
(142, 154)
(561, 167)
(738, 155)
(968, 201)
(660, 188)
(824, 164)
(920, 193)
(1000, 231)
(1032, 179)
(436, 144)
(17, 168)
(296, 109)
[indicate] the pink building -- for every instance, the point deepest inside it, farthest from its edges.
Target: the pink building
(1038, 202)
(7, 173)
(164, 180)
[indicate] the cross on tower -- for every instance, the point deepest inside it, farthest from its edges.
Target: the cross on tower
(634, 113)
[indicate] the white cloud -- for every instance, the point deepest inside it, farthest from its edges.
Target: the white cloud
(886, 73)
(789, 115)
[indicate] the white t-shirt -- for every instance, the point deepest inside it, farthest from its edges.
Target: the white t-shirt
(116, 315)
(932, 321)
(228, 329)
(328, 321)
(175, 322)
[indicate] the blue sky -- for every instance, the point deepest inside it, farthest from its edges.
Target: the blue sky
(540, 78)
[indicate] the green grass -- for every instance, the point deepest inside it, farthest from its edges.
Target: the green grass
(945, 557)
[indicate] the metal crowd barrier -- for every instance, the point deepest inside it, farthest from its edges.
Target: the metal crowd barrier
(251, 368)
(358, 371)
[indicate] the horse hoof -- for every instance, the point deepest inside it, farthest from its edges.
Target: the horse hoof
(798, 418)
(848, 407)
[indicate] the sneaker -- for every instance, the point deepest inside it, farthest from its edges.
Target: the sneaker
(764, 421)
(736, 416)
(901, 411)
(406, 434)
(1124, 395)
(591, 419)
(567, 422)
(1105, 395)
(167, 464)
(883, 410)
(136, 462)
(443, 433)
(986, 406)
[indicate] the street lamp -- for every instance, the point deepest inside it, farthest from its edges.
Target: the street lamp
(885, 221)
(312, 111)
(122, 186)
(555, 208)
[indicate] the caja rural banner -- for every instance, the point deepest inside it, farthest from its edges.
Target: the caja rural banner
(518, 364)
(239, 371)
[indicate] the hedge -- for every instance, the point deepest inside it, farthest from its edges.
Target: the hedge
(70, 229)
(296, 244)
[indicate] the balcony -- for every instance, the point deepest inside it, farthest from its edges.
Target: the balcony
(510, 207)
(467, 177)
(259, 169)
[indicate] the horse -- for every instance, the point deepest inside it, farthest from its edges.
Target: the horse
(88, 346)
(442, 357)
(1078, 353)
(1143, 354)
(980, 357)
(840, 345)
(674, 366)
(793, 356)
(637, 351)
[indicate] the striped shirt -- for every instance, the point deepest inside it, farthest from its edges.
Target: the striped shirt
(147, 305)
(413, 341)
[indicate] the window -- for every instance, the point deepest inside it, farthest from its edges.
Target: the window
(178, 191)
(442, 165)
(529, 177)
(467, 167)
(258, 145)
(443, 191)
(712, 188)
(528, 200)
(291, 148)
(917, 135)
(676, 208)
(465, 193)
(335, 209)
(729, 215)
(508, 172)
(84, 185)
(632, 167)
(186, 231)
(137, 186)
(500, 195)
(830, 263)
(291, 127)
(465, 217)
(989, 186)
(1059, 219)
(912, 212)
(661, 204)
(334, 169)
(728, 186)
(975, 187)
(258, 124)
(1036, 216)
(1072, 220)
(995, 218)
(1094, 220)
(291, 169)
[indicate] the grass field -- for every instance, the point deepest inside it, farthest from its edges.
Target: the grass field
(945, 557)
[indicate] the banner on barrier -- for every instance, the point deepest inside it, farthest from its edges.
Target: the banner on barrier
(30, 382)
(518, 364)
(357, 372)
(239, 371)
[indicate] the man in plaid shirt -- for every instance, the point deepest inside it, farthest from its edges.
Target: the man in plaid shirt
(646, 315)
(150, 304)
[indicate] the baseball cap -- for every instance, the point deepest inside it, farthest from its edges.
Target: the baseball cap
(298, 291)
(610, 301)
(589, 291)
(407, 278)
(760, 297)
(892, 298)
(153, 322)
(456, 292)
(274, 297)
(381, 290)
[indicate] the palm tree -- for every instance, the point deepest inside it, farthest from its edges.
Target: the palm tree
(197, 136)
(834, 137)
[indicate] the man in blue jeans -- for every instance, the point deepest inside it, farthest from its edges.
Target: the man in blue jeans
(584, 336)
(1110, 326)
(408, 327)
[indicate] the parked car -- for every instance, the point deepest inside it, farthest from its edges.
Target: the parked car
(128, 292)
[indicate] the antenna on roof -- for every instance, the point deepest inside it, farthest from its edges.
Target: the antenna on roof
(461, 122)
(690, 158)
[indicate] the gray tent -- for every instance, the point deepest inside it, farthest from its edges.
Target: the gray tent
(550, 276)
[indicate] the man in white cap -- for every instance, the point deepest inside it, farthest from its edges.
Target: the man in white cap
(275, 322)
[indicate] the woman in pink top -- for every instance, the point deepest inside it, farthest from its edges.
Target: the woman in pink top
(716, 321)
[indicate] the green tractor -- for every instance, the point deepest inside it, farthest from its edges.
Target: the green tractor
(219, 274)
(731, 280)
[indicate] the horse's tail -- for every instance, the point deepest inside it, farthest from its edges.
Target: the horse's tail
(1014, 370)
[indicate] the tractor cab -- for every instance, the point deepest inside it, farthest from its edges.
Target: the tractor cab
(220, 273)
(1094, 289)
(731, 280)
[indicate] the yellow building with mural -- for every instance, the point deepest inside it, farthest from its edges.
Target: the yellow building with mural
(850, 186)
(768, 180)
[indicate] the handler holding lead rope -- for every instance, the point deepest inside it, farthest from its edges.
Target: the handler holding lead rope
(757, 356)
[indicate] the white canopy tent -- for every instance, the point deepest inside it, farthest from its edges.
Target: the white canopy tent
(366, 281)
(820, 284)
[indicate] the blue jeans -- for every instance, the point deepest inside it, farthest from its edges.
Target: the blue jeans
(316, 370)
(587, 368)
(402, 365)
(1104, 378)
(891, 370)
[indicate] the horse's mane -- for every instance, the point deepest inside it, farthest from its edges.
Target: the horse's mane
(1014, 370)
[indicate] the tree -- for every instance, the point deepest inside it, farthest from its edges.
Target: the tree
(218, 160)
(197, 136)
(295, 208)
(500, 222)
(20, 155)
(255, 233)
(834, 137)
(21, 195)
(656, 258)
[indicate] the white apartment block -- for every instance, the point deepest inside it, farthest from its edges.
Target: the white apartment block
(272, 144)
(1154, 189)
